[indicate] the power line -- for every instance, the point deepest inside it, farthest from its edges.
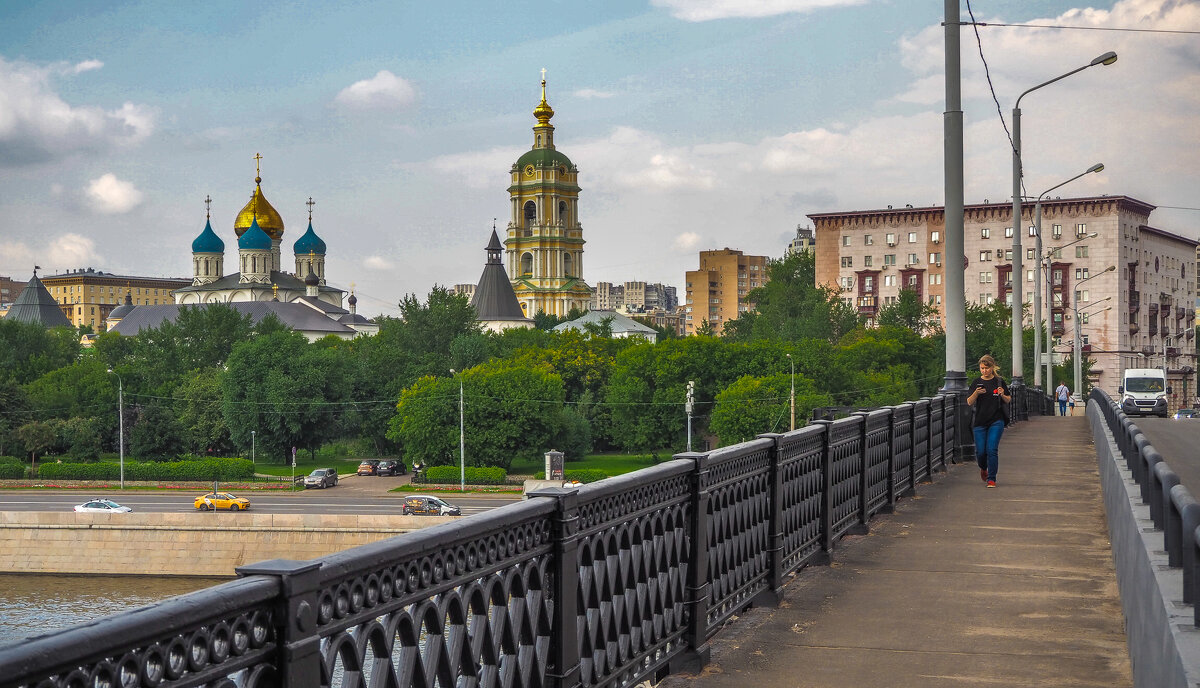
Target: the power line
(1076, 28)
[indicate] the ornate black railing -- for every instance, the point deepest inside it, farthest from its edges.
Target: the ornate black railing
(1173, 510)
(610, 584)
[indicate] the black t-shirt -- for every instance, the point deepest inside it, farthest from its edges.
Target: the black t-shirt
(989, 407)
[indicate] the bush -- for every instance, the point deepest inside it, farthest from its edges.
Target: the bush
(203, 470)
(10, 459)
(583, 475)
(11, 470)
(475, 475)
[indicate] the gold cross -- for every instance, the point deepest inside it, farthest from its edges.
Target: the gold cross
(207, 206)
(310, 204)
(257, 168)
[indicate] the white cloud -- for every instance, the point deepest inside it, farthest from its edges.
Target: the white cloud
(706, 10)
(73, 250)
(591, 93)
(479, 169)
(686, 242)
(111, 196)
(383, 91)
(377, 263)
(37, 125)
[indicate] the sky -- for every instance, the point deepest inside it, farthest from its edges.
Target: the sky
(695, 124)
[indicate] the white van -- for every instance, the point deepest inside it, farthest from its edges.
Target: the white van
(1144, 392)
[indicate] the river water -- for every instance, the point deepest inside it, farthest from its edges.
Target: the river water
(32, 605)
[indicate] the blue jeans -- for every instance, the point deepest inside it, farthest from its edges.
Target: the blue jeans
(1062, 407)
(987, 447)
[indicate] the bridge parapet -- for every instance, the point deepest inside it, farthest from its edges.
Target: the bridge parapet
(611, 583)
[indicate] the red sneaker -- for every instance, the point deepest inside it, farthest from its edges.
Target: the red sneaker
(991, 483)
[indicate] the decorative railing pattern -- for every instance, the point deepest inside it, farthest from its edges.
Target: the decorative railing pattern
(1173, 510)
(609, 584)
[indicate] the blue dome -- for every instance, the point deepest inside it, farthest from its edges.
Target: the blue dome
(208, 241)
(255, 238)
(309, 243)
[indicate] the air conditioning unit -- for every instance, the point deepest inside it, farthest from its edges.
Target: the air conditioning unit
(891, 243)
(886, 266)
(937, 241)
(937, 264)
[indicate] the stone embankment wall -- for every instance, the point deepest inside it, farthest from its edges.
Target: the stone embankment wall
(184, 544)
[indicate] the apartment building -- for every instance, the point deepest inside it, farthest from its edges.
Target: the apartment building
(87, 296)
(717, 291)
(634, 297)
(1140, 314)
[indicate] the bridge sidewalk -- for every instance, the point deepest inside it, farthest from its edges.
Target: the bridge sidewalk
(962, 586)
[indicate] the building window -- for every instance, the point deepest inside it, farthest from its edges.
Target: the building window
(1032, 230)
(1081, 230)
(847, 261)
(889, 280)
(889, 259)
(985, 233)
(912, 237)
(1008, 232)
(1081, 273)
(912, 259)
(1008, 254)
(868, 261)
(868, 283)
(985, 256)
(1056, 253)
(1083, 296)
(1056, 231)
(891, 239)
(1029, 275)
(985, 278)
(935, 237)
(1028, 254)
(935, 257)
(845, 240)
(868, 240)
(1081, 251)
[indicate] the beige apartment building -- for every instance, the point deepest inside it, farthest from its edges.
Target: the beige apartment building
(1142, 314)
(717, 291)
(88, 296)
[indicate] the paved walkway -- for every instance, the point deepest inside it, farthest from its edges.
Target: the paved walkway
(962, 586)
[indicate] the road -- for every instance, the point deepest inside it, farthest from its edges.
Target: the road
(1178, 442)
(310, 502)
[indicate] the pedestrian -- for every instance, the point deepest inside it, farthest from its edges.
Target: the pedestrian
(989, 394)
(1063, 394)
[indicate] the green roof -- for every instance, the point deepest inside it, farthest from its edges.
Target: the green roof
(544, 157)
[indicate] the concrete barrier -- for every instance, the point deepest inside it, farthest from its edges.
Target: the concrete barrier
(1164, 644)
(182, 544)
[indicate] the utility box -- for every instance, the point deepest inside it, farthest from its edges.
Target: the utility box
(554, 465)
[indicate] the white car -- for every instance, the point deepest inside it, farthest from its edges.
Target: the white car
(102, 506)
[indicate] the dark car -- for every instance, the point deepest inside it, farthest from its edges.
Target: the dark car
(321, 477)
(369, 467)
(390, 467)
(425, 505)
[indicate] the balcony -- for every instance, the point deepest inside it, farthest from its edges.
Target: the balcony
(1135, 300)
(1180, 312)
(1133, 327)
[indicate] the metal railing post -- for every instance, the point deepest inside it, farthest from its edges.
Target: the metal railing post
(295, 619)
(1189, 514)
(826, 487)
(864, 516)
(697, 591)
(1164, 480)
(1178, 499)
(563, 669)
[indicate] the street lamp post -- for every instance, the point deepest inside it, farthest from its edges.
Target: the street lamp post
(462, 439)
(121, 421)
(793, 397)
(252, 447)
(1037, 280)
(1045, 259)
(1017, 343)
(1078, 329)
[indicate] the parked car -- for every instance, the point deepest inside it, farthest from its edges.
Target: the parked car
(369, 467)
(391, 467)
(425, 505)
(1187, 413)
(102, 506)
(322, 478)
(221, 500)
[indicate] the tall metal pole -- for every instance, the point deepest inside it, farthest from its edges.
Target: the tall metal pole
(1037, 298)
(121, 424)
(252, 459)
(1018, 340)
(1078, 345)
(952, 133)
(793, 397)
(462, 441)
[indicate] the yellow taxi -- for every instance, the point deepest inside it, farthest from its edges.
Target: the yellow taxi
(221, 500)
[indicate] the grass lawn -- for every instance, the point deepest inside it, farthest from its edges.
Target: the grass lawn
(612, 464)
(304, 466)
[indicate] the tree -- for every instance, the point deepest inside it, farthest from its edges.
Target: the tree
(791, 306)
(511, 411)
(430, 327)
(754, 405)
(29, 351)
(908, 310)
(36, 437)
(156, 435)
(200, 420)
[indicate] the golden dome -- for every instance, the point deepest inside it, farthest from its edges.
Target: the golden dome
(258, 207)
(543, 112)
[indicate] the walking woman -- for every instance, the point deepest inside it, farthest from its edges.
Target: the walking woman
(989, 394)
